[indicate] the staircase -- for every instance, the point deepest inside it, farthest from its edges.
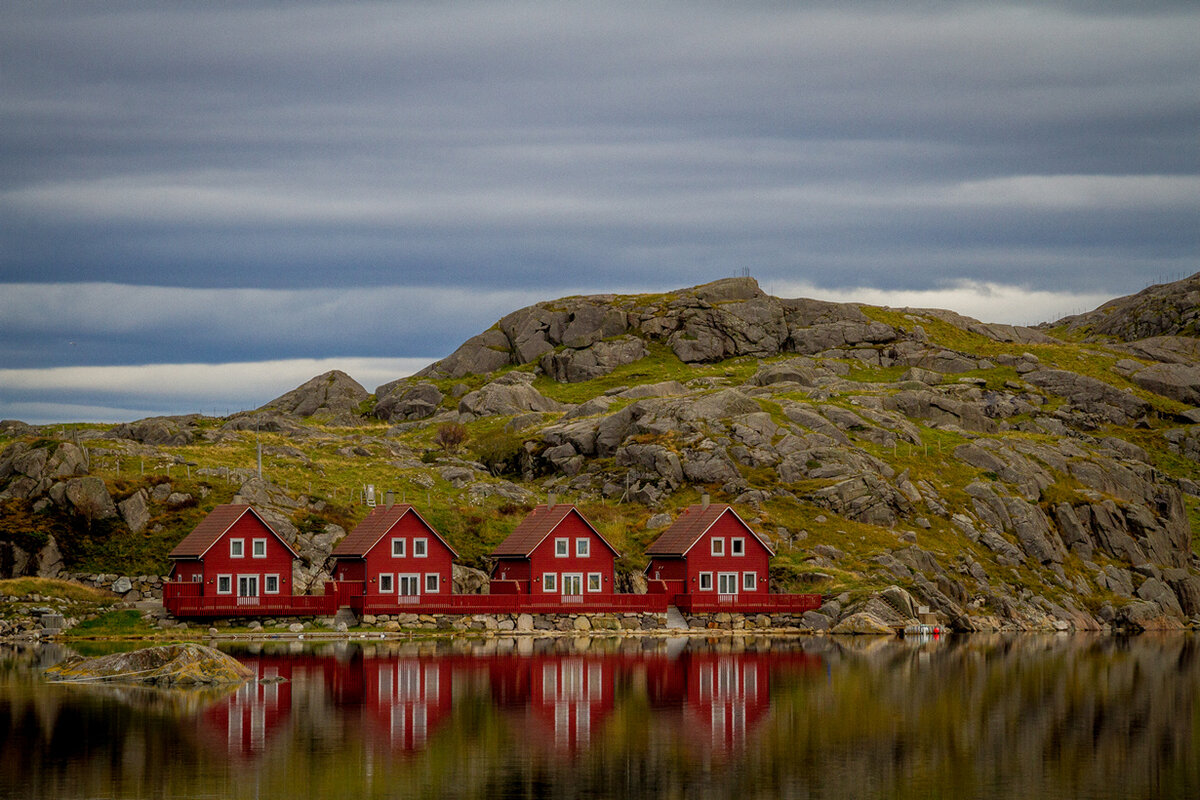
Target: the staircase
(675, 620)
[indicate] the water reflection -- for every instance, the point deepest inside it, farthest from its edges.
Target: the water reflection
(977, 717)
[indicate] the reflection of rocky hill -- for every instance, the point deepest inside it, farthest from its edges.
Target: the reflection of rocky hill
(992, 472)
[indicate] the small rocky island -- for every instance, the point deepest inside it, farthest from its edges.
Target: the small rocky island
(168, 665)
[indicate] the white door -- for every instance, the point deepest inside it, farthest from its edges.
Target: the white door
(572, 583)
(408, 585)
(247, 586)
(727, 583)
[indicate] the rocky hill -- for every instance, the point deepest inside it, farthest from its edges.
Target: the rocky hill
(1166, 309)
(1004, 476)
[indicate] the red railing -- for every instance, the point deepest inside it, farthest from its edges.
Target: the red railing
(188, 600)
(753, 603)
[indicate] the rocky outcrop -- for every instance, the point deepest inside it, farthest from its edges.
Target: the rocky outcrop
(169, 665)
(508, 394)
(332, 397)
(159, 430)
(406, 400)
(1170, 309)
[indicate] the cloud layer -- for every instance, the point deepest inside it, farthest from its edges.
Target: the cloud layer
(184, 182)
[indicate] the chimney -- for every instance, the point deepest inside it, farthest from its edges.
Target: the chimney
(704, 500)
(551, 500)
(238, 500)
(390, 498)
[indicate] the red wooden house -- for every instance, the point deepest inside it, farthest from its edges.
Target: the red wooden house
(709, 551)
(554, 551)
(397, 556)
(233, 559)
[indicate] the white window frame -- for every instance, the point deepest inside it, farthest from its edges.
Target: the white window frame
(197, 578)
(706, 582)
(421, 548)
(228, 579)
(254, 543)
(737, 546)
(728, 578)
(408, 580)
(717, 546)
(390, 580)
(398, 548)
(267, 579)
(562, 548)
(583, 547)
(433, 583)
(596, 579)
(237, 548)
(549, 581)
(749, 581)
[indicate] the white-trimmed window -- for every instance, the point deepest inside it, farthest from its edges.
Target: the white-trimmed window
(562, 548)
(432, 583)
(749, 581)
(197, 578)
(397, 548)
(385, 583)
(224, 584)
(237, 548)
(420, 548)
(258, 548)
(583, 547)
(737, 546)
(595, 581)
(270, 584)
(706, 581)
(550, 581)
(718, 546)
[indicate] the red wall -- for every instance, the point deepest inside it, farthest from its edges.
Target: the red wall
(672, 571)
(700, 558)
(217, 560)
(513, 569)
(600, 558)
(380, 559)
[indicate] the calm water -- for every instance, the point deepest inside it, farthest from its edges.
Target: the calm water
(963, 717)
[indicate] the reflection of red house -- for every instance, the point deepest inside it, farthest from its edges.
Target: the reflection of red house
(405, 699)
(571, 697)
(248, 718)
(397, 556)
(234, 558)
(554, 551)
(709, 551)
(727, 697)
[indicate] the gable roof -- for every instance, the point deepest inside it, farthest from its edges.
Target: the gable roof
(691, 526)
(536, 526)
(214, 526)
(358, 542)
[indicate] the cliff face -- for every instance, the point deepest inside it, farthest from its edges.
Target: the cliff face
(999, 475)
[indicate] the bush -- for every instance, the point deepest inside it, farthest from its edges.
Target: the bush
(500, 453)
(450, 436)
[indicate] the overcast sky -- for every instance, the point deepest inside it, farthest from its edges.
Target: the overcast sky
(274, 189)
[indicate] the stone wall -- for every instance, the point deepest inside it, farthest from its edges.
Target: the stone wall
(131, 588)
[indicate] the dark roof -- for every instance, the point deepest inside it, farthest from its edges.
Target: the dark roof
(214, 526)
(536, 526)
(358, 542)
(691, 526)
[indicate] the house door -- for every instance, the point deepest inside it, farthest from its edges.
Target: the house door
(408, 585)
(727, 583)
(247, 586)
(572, 583)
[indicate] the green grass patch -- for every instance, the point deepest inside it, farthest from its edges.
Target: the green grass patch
(126, 622)
(52, 587)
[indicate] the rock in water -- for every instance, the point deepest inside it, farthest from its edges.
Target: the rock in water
(169, 665)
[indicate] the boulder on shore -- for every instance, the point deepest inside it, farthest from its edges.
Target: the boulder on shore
(169, 665)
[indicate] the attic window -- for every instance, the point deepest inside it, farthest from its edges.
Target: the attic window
(718, 546)
(237, 548)
(420, 548)
(583, 548)
(258, 548)
(397, 548)
(562, 548)
(737, 547)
